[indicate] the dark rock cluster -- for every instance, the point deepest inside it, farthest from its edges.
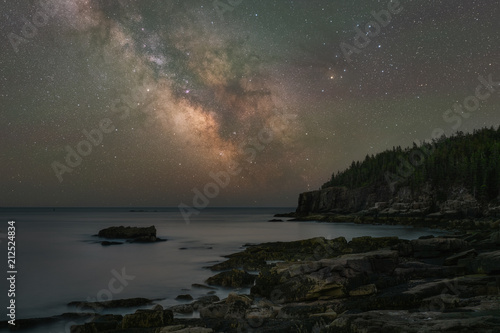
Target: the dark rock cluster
(131, 234)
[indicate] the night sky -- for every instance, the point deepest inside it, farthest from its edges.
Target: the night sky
(145, 103)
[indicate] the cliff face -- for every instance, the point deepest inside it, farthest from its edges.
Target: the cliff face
(379, 200)
(341, 200)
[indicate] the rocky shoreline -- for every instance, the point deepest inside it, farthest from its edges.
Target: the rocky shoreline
(431, 222)
(386, 284)
(381, 201)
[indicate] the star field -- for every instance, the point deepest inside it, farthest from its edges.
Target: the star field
(169, 93)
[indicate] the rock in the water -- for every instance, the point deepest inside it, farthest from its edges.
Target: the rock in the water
(185, 297)
(131, 234)
(127, 232)
(234, 278)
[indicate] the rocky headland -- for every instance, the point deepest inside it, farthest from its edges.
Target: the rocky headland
(451, 183)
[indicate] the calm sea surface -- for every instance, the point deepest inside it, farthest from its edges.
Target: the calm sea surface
(58, 260)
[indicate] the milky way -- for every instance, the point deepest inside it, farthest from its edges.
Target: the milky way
(142, 102)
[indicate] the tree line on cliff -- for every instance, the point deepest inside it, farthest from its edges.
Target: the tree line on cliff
(470, 161)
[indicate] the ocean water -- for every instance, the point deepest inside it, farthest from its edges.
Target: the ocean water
(59, 261)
